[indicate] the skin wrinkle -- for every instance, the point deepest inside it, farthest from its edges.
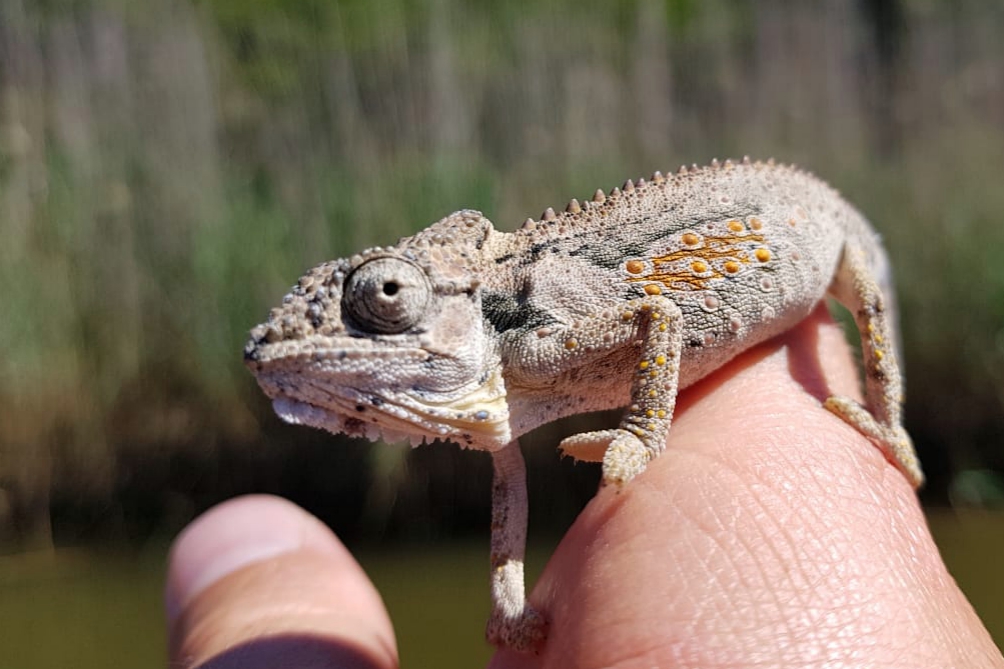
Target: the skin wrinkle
(741, 582)
(786, 593)
(711, 528)
(797, 590)
(840, 573)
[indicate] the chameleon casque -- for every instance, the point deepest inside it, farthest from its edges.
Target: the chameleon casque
(464, 333)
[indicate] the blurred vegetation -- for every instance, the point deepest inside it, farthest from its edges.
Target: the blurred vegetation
(168, 168)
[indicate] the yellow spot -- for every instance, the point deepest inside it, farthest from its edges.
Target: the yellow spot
(643, 364)
(689, 238)
(699, 267)
(662, 327)
(763, 255)
(653, 374)
(634, 266)
(650, 413)
(878, 339)
(878, 354)
(653, 393)
(871, 328)
(637, 432)
(661, 413)
(570, 344)
(651, 427)
(653, 289)
(731, 266)
(735, 226)
(755, 223)
(660, 359)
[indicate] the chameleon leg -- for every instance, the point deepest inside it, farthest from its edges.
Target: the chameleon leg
(642, 432)
(858, 289)
(513, 623)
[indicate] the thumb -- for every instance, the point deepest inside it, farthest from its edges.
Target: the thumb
(257, 582)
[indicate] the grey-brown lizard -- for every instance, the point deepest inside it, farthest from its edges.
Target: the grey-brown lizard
(467, 334)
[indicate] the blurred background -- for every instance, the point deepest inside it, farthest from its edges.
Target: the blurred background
(169, 167)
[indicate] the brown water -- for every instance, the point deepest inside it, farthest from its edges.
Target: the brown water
(87, 610)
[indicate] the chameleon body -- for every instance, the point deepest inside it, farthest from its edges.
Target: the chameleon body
(464, 333)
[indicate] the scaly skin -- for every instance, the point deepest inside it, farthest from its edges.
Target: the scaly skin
(465, 333)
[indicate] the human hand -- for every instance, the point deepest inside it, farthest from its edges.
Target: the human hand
(768, 534)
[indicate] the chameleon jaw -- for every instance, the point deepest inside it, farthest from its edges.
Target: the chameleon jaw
(476, 419)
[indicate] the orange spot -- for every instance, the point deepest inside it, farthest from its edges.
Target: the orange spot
(626, 316)
(634, 266)
(697, 270)
(731, 266)
(570, 344)
(689, 238)
(763, 255)
(735, 226)
(653, 289)
(755, 224)
(791, 222)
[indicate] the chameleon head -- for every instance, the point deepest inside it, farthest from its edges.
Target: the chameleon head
(389, 343)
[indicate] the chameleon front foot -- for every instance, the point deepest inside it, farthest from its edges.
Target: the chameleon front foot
(894, 442)
(525, 631)
(624, 455)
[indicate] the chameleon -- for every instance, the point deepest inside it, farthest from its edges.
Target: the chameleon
(468, 334)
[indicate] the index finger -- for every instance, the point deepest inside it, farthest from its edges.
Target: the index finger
(770, 533)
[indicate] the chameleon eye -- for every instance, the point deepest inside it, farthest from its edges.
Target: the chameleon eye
(386, 295)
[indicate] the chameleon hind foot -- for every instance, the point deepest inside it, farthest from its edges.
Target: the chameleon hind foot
(894, 442)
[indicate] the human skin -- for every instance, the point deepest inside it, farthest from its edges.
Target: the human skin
(769, 534)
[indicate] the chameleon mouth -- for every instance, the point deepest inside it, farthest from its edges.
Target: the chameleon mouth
(296, 412)
(476, 419)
